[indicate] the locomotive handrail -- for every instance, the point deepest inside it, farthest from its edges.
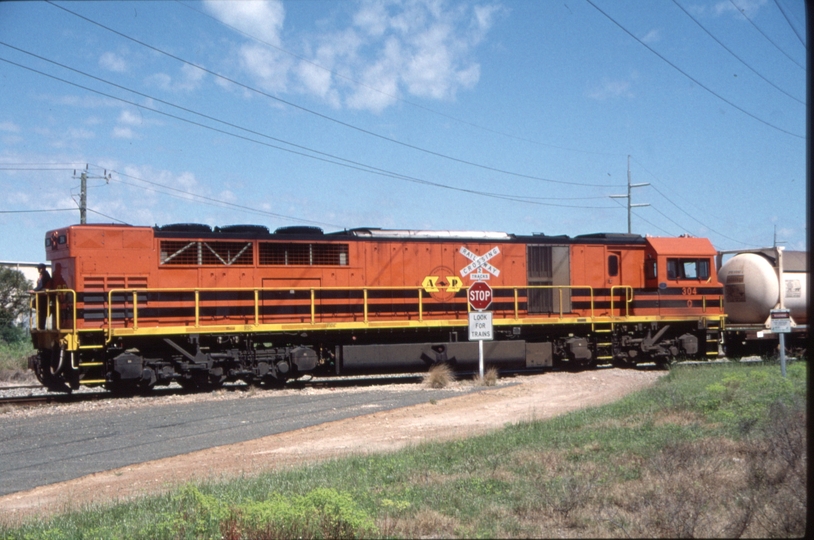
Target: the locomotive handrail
(628, 298)
(118, 298)
(49, 295)
(132, 294)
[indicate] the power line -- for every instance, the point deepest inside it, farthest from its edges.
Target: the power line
(741, 60)
(22, 169)
(347, 163)
(214, 202)
(324, 116)
(37, 211)
(669, 200)
(643, 219)
(690, 77)
(106, 216)
(785, 15)
(382, 92)
(762, 33)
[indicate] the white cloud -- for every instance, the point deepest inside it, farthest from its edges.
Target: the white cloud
(227, 196)
(423, 48)
(79, 133)
(262, 19)
(609, 89)
(122, 133)
(270, 67)
(113, 62)
(130, 118)
(9, 127)
(652, 36)
(187, 80)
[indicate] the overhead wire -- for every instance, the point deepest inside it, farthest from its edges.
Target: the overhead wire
(730, 51)
(793, 28)
(324, 116)
(762, 33)
(690, 77)
(669, 200)
(186, 195)
(640, 217)
(387, 94)
(37, 211)
(106, 216)
(328, 159)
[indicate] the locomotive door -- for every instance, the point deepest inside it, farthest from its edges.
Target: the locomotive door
(549, 266)
(615, 280)
(290, 300)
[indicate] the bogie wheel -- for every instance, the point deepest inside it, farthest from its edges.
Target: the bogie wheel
(48, 368)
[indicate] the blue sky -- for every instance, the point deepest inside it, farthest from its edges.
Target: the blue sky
(515, 116)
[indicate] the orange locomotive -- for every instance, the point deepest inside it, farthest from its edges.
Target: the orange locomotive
(132, 307)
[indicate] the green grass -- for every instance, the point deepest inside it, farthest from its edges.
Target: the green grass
(695, 455)
(14, 356)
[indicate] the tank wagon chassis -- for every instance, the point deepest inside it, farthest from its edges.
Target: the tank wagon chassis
(129, 355)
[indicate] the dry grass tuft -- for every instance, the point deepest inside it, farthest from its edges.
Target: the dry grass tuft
(489, 378)
(439, 376)
(423, 524)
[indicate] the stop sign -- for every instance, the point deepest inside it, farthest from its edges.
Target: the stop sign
(480, 295)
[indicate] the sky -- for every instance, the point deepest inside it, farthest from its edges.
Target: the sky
(515, 116)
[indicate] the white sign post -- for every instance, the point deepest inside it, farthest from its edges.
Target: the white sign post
(480, 297)
(480, 328)
(781, 325)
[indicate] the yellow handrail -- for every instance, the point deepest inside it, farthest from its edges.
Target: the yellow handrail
(628, 298)
(134, 296)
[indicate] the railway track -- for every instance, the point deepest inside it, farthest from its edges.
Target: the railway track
(305, 382)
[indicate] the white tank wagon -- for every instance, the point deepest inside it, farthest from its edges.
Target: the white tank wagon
(756, 282)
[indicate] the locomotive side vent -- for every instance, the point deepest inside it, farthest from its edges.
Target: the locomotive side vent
(199, 253)
(290, 253)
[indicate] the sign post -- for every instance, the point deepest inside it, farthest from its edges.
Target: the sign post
(781, 325)
(480, 321)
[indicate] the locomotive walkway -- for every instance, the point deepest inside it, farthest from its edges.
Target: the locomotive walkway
(45, 449)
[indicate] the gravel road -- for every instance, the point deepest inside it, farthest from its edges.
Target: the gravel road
(339, 421)
(64, 442)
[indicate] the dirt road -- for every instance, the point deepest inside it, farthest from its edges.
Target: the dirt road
(533, 397)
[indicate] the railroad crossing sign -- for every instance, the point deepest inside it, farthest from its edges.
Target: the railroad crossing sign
(478, 263)
(480, 295)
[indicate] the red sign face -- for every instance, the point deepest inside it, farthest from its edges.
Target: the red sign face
(480, 295)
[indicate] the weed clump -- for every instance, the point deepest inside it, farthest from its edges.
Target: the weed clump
(439, 376)
(489, 378)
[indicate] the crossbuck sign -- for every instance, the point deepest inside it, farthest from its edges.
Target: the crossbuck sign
(480, 263)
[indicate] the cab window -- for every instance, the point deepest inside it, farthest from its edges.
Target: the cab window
(687, 268)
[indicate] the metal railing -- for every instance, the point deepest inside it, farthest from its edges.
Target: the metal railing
(124, 307)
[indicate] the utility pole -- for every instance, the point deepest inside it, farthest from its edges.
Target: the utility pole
(629, 187)
(83, 192)
(83, 198)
